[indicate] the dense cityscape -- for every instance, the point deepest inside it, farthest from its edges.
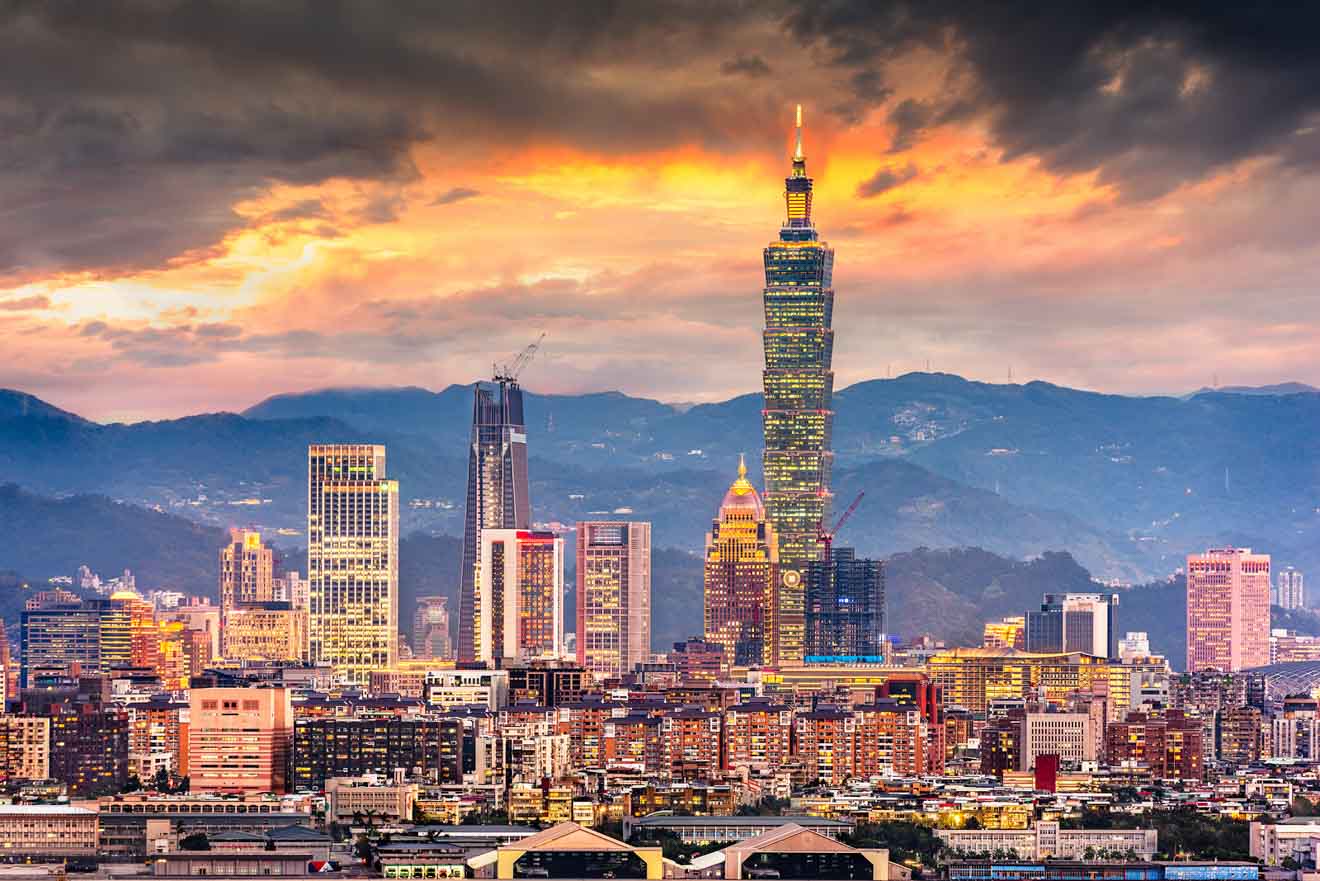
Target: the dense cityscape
(300, 727)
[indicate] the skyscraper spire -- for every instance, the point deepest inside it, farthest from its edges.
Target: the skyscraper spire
(797, 148)
(797, 187)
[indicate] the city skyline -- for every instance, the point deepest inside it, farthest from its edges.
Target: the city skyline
(975, 202)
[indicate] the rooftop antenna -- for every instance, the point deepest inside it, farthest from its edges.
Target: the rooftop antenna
(797, 146)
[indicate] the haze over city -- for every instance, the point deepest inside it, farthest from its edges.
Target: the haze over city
(216, 203)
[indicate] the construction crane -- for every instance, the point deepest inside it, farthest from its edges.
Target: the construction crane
(827, 538)
(509, 372)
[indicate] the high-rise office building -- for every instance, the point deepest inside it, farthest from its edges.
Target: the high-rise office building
(1074, 622)
(741, 571)
(239, 739)
(1228, 610)
(352, 560)
(497, 491)
(799, 386)
(1288, 589)
(59, 637)
(520, 596)
(431, 637)
(247, 570)
(613, 595)
(845, 606)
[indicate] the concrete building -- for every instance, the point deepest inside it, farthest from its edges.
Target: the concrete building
(247, 570)
(1046, 840)
(25, 747)
(239, 739)
(1074, 622)
(613, 596)
(1289, 590)
(352, 560)
(1294, 837)
(348, 799)
(1228, 610)
(1070, 736)
(1295, 731)
(43, 831)
(266, 631)
(455, 688)
(520, 596)
(1134, 645)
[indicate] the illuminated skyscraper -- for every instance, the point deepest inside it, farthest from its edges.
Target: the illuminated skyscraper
(742, 559)
(520, 596)
(613, 595)
(497, 493)
(1228, 610)
(246, 570)
(799, 386)
(352, 559)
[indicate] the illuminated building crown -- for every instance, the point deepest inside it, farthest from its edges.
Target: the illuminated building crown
(797, 189)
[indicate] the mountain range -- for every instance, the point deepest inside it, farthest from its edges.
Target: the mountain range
(1126, 484)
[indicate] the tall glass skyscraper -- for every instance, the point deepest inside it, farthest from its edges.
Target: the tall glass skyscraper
(799, 386)
(352, 560)
(497, 496)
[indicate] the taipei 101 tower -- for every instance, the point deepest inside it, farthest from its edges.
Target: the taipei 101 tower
(799, 386)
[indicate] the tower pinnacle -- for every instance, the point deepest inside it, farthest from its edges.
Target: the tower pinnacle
(797, 148)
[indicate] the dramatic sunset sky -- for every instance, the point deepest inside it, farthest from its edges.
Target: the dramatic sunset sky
(202, 204)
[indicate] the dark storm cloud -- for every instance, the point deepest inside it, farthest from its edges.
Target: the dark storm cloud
(884, 180)
(1151, 95)
(130, 128)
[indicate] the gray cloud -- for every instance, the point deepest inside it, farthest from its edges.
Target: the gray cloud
(1152, 96)
(885, 180)
(134, 126)
(455, 194)
(746, 65)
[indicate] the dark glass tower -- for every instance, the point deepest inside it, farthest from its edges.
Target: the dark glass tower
(799, 386)
(845, 606)
(497, 495)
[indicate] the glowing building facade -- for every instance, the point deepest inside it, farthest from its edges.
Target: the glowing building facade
(520, 596)
(497, 492)
(613, 596)
(352, 560)
(799, 386)
(247, 570)
(1228, 610)
(741, 571)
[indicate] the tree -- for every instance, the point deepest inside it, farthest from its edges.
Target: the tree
(195, 841)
